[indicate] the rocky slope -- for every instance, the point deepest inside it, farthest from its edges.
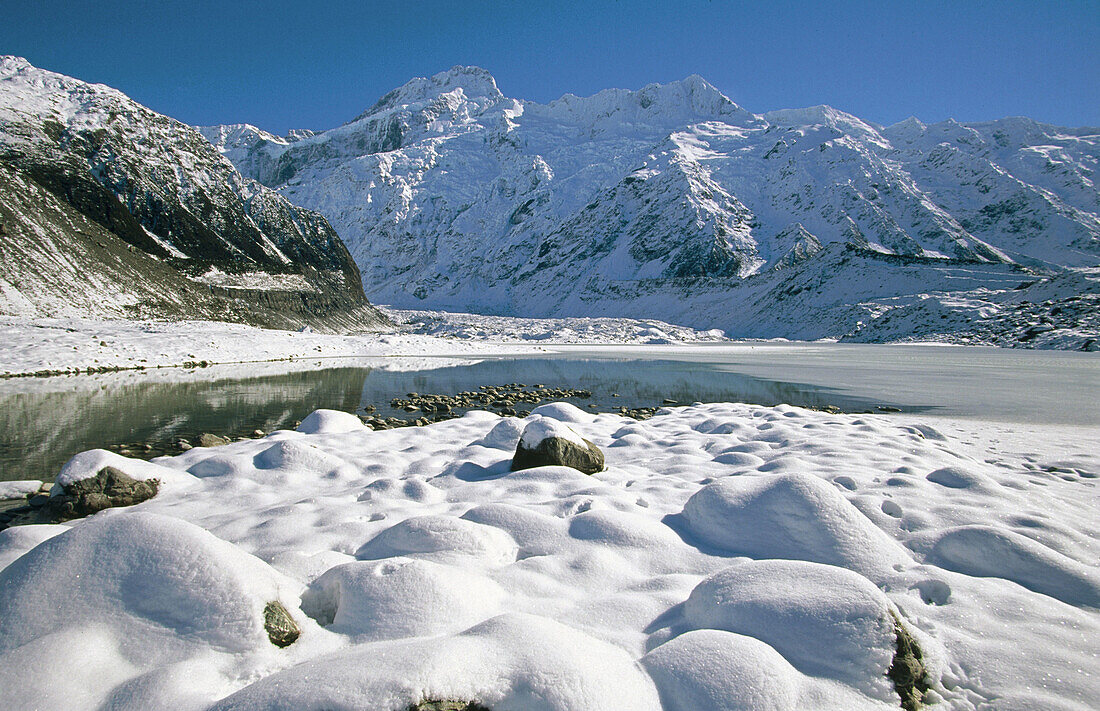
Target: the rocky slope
(673, 202)
(108, 209)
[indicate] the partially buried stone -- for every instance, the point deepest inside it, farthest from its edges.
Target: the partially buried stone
(547, 442)
(434, 705)
(212, 440)
(281, 628)
(110, 487)
(908, 672)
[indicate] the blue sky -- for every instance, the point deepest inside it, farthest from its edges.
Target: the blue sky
(283, 65)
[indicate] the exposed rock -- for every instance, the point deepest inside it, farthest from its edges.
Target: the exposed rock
(447, 705)
(109, 488)
(547, 442)
(212, 440)
(281, 628)
(908, 671)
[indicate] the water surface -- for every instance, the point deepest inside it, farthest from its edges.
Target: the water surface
(43, 422)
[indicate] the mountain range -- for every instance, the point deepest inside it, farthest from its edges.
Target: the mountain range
(668, 202)
(673, 202)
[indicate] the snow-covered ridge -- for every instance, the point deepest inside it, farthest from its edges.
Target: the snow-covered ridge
(452, 196)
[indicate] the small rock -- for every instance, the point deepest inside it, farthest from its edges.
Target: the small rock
(39, 500)
(446, 705)
(281, 628)
(212, 440)
(258, 433)
(908, 672)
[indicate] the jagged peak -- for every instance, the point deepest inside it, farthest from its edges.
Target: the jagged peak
(688, 100)
(474, 82)
(10, 64)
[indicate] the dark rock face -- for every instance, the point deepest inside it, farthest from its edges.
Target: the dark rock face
(557, 451)
(143, 205)
(907, 671)
(281, 628)
(109, 488)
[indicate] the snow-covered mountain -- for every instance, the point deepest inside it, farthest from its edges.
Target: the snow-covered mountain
(110, 209)
(673, 202)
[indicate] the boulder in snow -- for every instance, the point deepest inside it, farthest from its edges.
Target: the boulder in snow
(546, 442)
(109, 487)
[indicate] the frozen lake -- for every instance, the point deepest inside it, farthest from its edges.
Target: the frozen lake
(43, 422)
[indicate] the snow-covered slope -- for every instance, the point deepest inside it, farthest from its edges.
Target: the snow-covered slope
(451, 195)
(110, 209)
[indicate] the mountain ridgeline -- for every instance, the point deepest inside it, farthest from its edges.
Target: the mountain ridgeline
(108, 209)
(673, 202)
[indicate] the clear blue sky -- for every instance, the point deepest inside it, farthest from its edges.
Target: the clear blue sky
(317, 64)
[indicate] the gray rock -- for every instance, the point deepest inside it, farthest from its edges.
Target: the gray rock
(212, 440)
(558, 451)
(109, 488)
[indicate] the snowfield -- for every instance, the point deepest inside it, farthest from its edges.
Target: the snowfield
(730, 557)
(35, 345)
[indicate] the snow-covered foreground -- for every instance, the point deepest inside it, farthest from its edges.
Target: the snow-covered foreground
(34, 345)
(730, 557)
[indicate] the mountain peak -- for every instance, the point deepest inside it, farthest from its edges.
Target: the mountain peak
(10, 64)
(686, 101)
(474, 82)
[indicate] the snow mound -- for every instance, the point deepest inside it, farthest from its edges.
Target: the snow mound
(400, 597)
(795, 516)
(510, 662)
(826, 621)
(17, 540)
(18, 489)
(990, 552)
(535, 533)
(960, 478)
(618, 528)
(87, 464)
(563, 412)
(330, 422)
(546, 428)
(444, 539)
(132, 593)
(504, 435)
(722, 671)
(291, 456)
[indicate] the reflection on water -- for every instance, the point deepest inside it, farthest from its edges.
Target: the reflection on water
(43, 422)
(39, 431)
